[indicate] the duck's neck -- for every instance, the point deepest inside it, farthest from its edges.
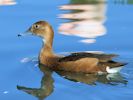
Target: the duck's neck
(47, 49)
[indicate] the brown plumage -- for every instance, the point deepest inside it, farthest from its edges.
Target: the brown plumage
(75, 62)
(100, 57)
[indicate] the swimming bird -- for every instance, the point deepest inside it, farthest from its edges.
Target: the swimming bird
(75, 62)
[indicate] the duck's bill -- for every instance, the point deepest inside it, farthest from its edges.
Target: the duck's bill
(25, 33)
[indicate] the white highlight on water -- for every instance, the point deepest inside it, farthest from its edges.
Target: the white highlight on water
(5, 92)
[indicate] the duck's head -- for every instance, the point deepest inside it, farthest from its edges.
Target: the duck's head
(41, 29)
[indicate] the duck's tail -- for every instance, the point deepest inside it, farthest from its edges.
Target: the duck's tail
(115, 67)
(113, 70)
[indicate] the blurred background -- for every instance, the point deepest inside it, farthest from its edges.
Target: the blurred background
(79, 25)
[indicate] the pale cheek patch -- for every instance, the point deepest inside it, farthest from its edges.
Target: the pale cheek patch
(44, 40)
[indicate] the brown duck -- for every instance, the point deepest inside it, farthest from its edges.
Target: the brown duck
(76, 62)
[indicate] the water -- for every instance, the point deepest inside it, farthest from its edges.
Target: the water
(104, 26)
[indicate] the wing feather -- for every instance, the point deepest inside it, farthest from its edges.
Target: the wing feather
(80, 55)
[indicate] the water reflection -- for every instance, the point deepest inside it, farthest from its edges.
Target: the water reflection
(46, 85)
(91, 79)
(7, 2)
(86, 19)
(47, 81)
(123, 1)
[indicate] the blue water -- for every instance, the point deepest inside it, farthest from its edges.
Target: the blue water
(115, 37)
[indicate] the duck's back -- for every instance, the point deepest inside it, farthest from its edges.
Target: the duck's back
(88, 62)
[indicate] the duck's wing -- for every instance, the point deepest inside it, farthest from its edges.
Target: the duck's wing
(80, 55)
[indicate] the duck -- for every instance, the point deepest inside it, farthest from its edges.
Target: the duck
(79, 62)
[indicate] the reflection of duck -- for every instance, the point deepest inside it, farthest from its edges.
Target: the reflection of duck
(91, 79)
(76, 62)
(46, 85)
(47, 82)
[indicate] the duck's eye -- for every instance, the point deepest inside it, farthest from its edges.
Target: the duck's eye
(36, 26)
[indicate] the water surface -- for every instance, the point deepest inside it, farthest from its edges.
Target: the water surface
(79, 25)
